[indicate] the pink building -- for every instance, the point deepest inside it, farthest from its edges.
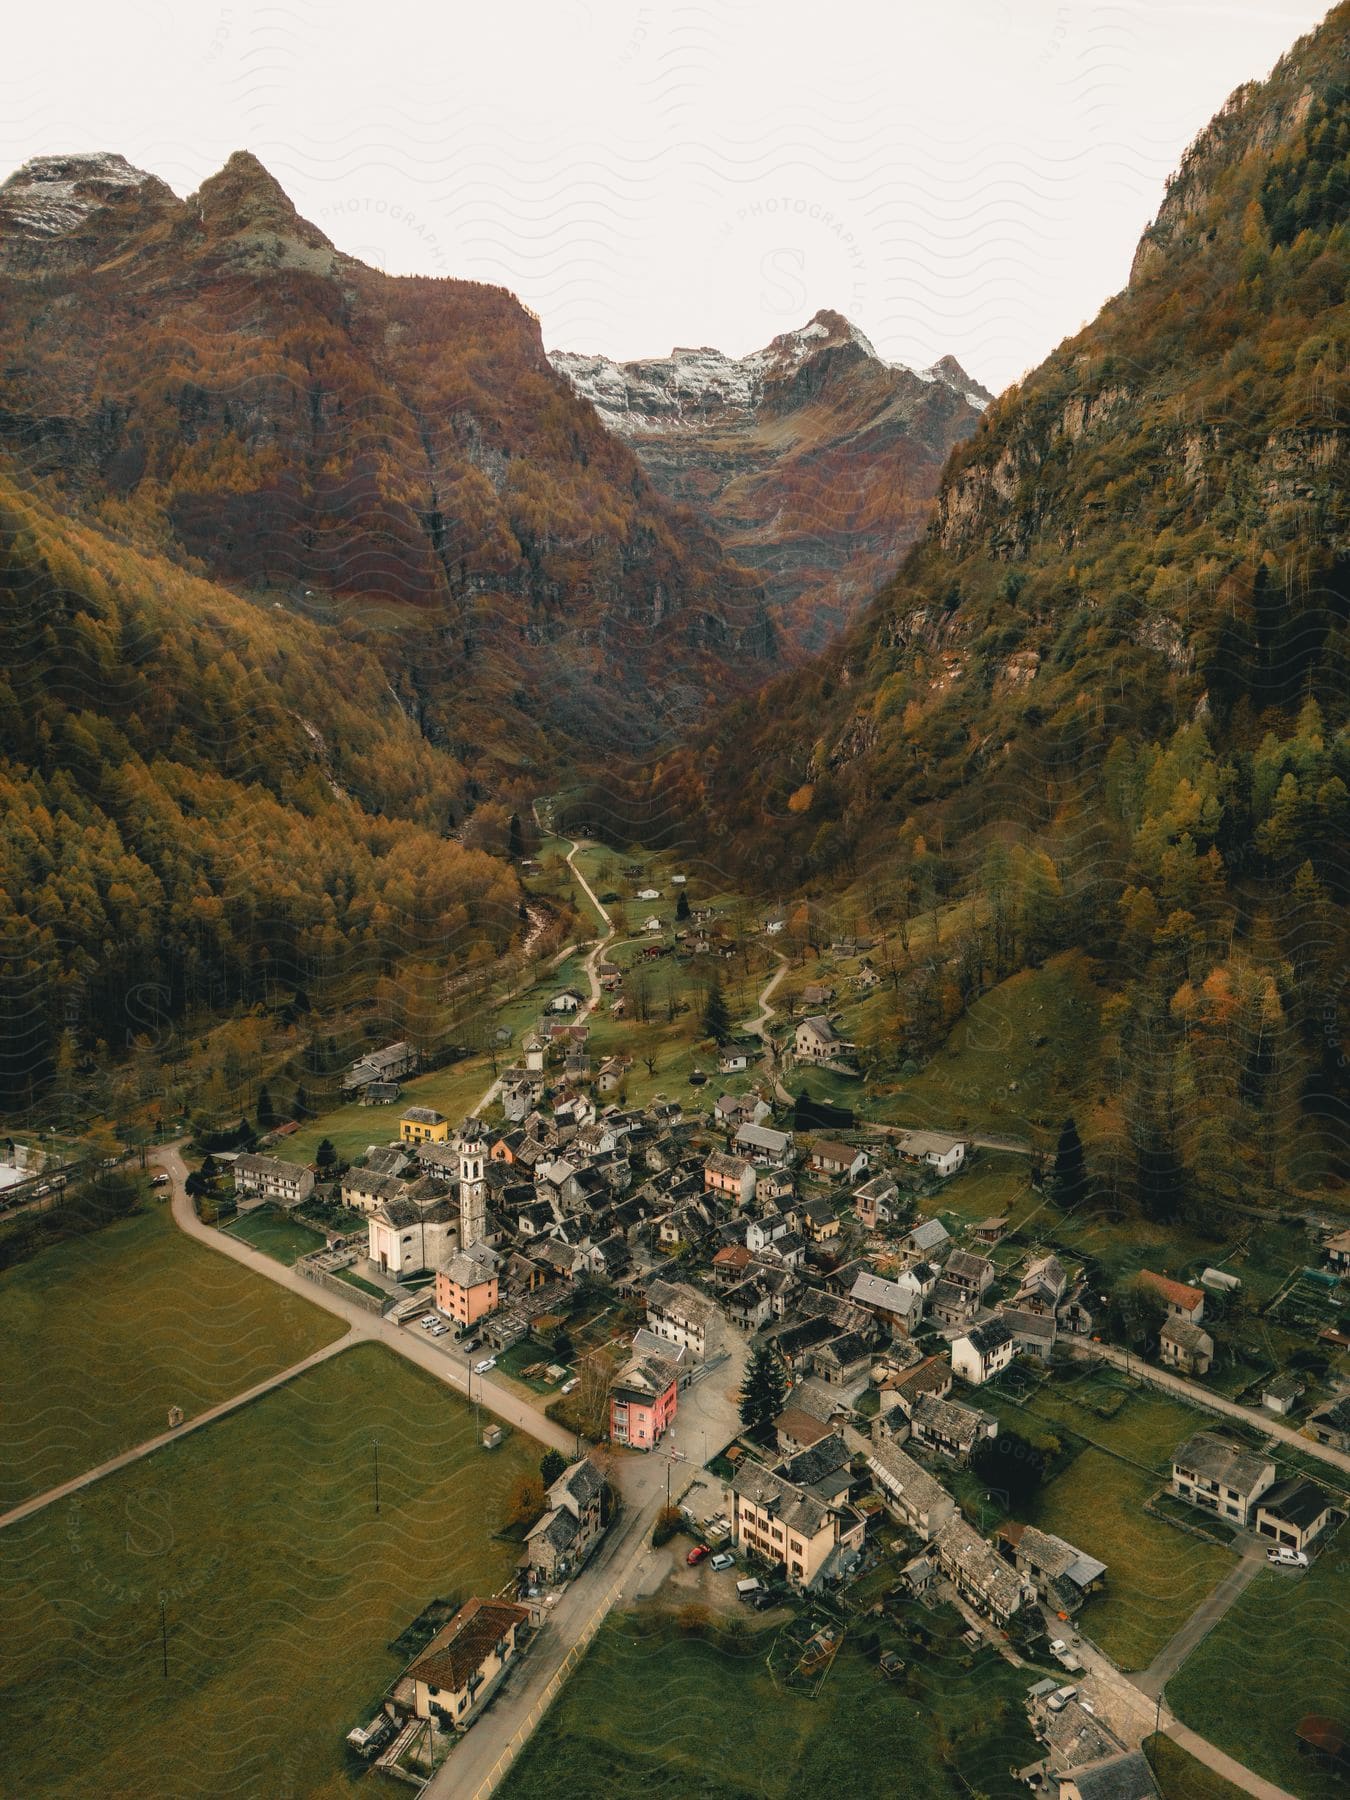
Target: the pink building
(642, 1402)
(467, 1288)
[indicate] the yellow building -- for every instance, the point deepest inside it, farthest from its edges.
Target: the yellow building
(422, 1125)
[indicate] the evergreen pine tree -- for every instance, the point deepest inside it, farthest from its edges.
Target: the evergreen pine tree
(300, 1105)
(326, 1156)
(765, 1390)
(716, 1018)
(515, 844)
(552, 1466)
(267, 1113)
(682, 905)
(1070, 1165)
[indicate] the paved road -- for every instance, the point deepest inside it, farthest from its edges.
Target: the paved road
(1202, 1621)
(1201, 1396)
(1134, 1714)
(195, 1423)
(446, 1365)
(707, 1418)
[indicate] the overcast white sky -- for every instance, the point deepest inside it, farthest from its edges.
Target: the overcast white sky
(954, 175)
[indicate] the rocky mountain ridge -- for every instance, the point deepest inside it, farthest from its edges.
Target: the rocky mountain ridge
(813, 459)
(213, 379)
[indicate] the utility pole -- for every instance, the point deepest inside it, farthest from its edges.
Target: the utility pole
(164, 1632)
(375, 1445)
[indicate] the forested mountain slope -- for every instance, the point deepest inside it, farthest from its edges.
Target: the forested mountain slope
(211, 378)
(202, 802)
(1108, 693)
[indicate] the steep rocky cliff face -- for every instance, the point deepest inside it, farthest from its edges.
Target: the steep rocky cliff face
(814, 461)
(1150, 530)
(211, 378)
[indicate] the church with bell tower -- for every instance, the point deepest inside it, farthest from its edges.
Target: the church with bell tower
(473, 1150)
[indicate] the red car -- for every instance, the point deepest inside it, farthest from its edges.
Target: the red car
(697, 1554)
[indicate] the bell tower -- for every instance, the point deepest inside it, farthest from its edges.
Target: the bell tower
(472, 1148)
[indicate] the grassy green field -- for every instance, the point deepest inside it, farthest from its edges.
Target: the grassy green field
(1156, 1574)
(1285, 1637)
(453, 1091)
(1180, 1777)
(653, 1709)
(101, 1335)
(1025, 1053)
(281, 1589)
(276, 1235)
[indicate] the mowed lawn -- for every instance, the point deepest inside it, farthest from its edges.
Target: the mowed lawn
(1180, 1777)
(1278, 1655)
(652, 1710)
(1156, 1574)
(276, 1235)
(282, 1588)
(101, 1335)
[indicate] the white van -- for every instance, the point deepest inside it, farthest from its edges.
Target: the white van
(1061, 1698)
(747, 1587)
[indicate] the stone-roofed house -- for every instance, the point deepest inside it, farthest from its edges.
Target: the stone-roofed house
(387, 1064)
(560, 1541)
(762, 1144)
(979, 1573)
(363, 1189)
(931, 1376)
(1186, 1346)
(980, 1352)
(683, 1316)
(461, 1666)
(951, 1429)
(934, 1149)
(876, 1201)
(643, 1398)
(423, 1125)
(1033, 1333)
(1120, 1775)
(1062, 1575)
(898, 1305)
(1221, 1477)
(967, 1271)
(816, 1040)
(1043, 1285)
(830, 1157)
(949, 1304)
(733, 1176)
(915, 1497)
(283, 1183)
(772, 1517)
(843, 1362)
(926, 1240)
(467, 1287)
(1330, 1424)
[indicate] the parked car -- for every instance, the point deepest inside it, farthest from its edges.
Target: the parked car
(482, 1368)
(1061, 1698)
(697, 1554)
(426, 1321)
(723, 1560)
(569, 1384)
(159, 1181)
(1284, 1558)
(439, 1330)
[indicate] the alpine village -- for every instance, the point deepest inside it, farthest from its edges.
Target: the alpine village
(646, 1146)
